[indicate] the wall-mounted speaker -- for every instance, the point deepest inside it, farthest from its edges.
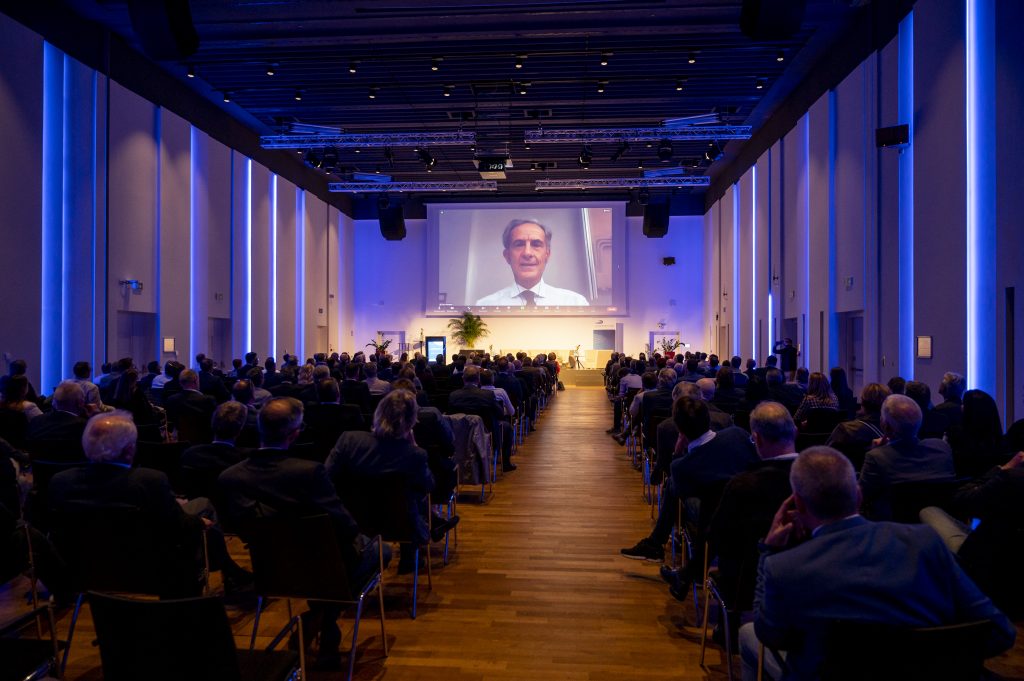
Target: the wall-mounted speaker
(164, 28)
(669, 260)
(392, 223)
(656, 220)
(892, 136)
(771, 19)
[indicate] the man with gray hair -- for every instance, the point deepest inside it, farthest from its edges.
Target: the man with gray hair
(57, 435)
(821, 562)
(109, 480)
(527, 248)
(900, 456)
(952, 390)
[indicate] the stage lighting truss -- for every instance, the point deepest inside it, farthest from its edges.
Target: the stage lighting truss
(358, 140)
(374, 187)
(592, 136)
(625, 183)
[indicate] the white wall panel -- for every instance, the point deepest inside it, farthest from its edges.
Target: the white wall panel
(174, 235)
(287, 293)
(819, 261)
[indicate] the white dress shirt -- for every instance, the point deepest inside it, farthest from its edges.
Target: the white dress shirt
(546, 295)
(502, 397)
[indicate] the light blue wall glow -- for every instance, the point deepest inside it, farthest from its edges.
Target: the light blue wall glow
(906, 200)
(981, 196)
(51, 284)
(300, 274)
(273, 265)
(248, 254)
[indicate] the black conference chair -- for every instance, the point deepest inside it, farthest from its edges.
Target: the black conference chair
(171, 640)
(29, 659)
(300, 558)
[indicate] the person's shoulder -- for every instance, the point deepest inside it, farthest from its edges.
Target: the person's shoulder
(499, 297)
(568, 296)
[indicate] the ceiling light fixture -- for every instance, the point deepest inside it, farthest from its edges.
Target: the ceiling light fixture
(679, 85)
(664, 151)
(428, 160)
(520, 58)
(364, 187)
(692, 59)
(601, 84)
(605, 56)
(227, 97)
(298, 95)
(759, 83)
(352, 66)
(521, 88)
(448, 90)
(373, 93)
(620, 151)
(585, 158)
(640, 165)
(780, 56)
(435, 63)
(271, 69)
(714, 153)
(652, 135)
(623, 182)
(191, 71)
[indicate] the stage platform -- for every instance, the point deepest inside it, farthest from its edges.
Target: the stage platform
(581, 377)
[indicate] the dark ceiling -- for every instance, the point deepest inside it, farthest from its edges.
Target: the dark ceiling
(411, 53)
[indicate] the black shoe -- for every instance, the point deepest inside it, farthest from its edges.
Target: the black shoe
(669, 575)
(621, 439)
(645, 549)
(612, 431)
(679, 589)
(440, 526)
(508, 467)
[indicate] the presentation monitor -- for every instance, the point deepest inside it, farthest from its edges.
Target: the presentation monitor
(527, 259)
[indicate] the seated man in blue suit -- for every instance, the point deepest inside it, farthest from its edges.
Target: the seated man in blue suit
(822, 561)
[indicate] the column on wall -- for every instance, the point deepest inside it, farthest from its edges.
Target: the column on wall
(745, 261)
(241, 255)
(286, 289)
(819, 266)
(315, 271)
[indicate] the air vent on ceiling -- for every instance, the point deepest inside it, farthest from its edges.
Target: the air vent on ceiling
(463, 115)
(492, 89)
(537, 113)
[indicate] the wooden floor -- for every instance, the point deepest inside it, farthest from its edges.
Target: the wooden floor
(536, 588)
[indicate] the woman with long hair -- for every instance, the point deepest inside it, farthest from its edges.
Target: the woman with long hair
(819, 396)
(15, 398)
(977, 441)
(841, 387)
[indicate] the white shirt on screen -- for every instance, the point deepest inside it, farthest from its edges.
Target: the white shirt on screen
(545, 295)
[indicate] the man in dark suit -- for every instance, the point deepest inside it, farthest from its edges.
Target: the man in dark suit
(952, 390)
(506, 380)
(190, 411)
(787, 353)
(789, 394)
(823, 562)
(110, 480)
(901, 457)
(272, 376)
(748, 505)
(933, 422)
(472, 399)
(354, 391)
(209, 384)
(702, 459)
(57, 435)
(270, 482)
(739, 378)
(201, 464)
(720, 420)
(692, 372)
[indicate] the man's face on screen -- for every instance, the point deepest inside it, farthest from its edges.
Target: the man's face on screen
(527, 253)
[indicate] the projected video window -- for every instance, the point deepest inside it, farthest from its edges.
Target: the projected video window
(542, 259)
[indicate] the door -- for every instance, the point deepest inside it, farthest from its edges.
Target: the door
(851, 348)
(136, 337)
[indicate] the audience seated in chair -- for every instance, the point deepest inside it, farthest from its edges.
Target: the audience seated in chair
(854, 438)
(822, 562)
(272, 483)
(57, 435)
(189, 412)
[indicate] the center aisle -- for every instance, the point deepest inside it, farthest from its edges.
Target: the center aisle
(536, 588)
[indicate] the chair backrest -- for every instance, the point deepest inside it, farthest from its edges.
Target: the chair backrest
(115, 548)
(164, 457)
(297, 558)
(862, 651)
(823, 420)
(13, 425)
(37, 507)
(381, 505)
(164, 640)
(902, 502)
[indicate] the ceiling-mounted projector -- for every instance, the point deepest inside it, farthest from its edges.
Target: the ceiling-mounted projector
(492, 167)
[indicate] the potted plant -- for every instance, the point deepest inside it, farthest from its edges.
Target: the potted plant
(468, 329)
(380, 348)
(669, 346)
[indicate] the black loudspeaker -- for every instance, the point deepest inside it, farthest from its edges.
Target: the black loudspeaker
(164, 28)
(392, 223)
(771, 19)
(893, 136)
(668, 260)
(656, 220)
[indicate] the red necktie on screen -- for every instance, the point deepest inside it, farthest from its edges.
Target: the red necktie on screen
(530, 297)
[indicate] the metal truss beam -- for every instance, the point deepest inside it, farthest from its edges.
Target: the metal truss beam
(625, 182)
(366, 140)
(584, 136)
(367, 187)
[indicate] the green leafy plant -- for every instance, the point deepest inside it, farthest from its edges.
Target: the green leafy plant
(669, 344)
(468, 329)
(381, 347)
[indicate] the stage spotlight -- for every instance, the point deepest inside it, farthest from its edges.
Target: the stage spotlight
(585, 157)
(714, 152)
(664, 151)
(313, 159)
(428, 160)
(622, 150)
